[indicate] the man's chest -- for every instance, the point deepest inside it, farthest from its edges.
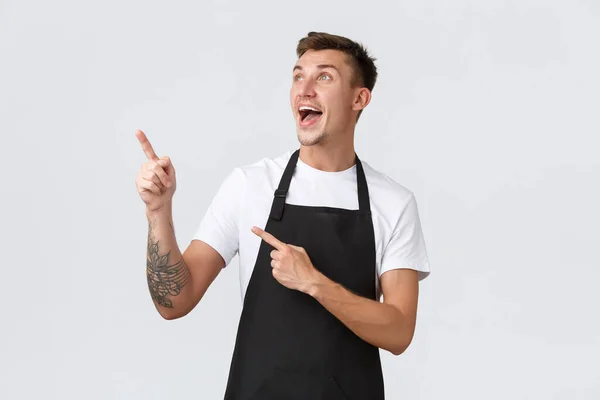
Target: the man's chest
(255, 211)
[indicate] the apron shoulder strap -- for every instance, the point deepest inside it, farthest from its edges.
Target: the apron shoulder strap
(284, 186)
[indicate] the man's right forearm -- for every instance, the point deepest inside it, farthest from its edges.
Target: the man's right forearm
(167, 273)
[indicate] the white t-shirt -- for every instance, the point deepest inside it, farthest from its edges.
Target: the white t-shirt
(245, 197)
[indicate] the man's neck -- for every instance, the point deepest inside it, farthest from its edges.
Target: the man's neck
(329, 157)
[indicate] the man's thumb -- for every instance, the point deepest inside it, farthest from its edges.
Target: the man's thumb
(164, 161)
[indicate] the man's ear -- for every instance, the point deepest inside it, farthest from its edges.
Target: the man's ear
(361, 99)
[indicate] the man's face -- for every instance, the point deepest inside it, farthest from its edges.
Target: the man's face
(321, 96)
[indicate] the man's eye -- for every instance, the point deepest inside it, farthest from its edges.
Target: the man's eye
(297, 77)
(324, 76)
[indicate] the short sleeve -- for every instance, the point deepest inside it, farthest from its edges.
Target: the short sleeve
(219, 227)
(406, 248)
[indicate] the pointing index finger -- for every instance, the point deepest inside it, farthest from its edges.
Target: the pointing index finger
(146, 146)
(267, 237)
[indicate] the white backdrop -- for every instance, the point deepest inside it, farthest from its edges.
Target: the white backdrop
(488, 111)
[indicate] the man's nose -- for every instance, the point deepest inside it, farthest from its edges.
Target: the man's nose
(307, 89)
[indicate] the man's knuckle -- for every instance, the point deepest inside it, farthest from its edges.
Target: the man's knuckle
(154, 166)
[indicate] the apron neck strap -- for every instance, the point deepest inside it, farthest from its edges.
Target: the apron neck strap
(286, 179)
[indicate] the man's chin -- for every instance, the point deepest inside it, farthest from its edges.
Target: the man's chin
(310, 138)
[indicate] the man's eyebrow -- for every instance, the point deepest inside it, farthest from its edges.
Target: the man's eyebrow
(320, 66)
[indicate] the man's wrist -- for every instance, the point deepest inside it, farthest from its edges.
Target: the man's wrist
(317, 284)
(165, 210)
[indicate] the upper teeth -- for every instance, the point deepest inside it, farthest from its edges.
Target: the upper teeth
(308, 108)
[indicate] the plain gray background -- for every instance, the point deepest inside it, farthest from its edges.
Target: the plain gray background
(487, 110)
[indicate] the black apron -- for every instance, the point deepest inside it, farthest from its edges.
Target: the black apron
(288, 346)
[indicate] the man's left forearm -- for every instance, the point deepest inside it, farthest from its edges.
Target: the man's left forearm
(380, 324)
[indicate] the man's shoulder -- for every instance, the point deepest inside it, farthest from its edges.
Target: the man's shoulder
(266, 167)
(387, 196)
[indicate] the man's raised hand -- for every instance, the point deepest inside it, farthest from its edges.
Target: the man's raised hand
(155, 181)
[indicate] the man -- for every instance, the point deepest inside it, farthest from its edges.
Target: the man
(320, 235)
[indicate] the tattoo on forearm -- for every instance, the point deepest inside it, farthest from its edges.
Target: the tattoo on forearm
(163, 279)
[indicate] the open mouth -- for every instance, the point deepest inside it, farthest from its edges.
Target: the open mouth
(309, 115)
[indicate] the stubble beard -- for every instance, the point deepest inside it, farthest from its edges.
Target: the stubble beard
(311, 138)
